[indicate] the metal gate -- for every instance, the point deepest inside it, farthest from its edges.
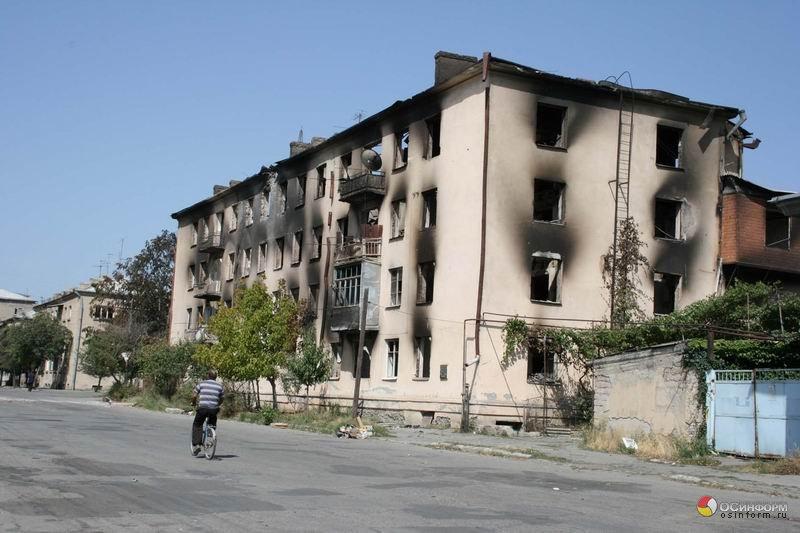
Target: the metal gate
(753, 412)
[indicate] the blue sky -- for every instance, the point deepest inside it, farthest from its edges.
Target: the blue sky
(114, 115)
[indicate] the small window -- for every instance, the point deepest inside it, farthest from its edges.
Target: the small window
(395, 286)
(301, 190)
(262, 257)
(398, 220)
(229, 268)
(777, 230)
(347, 285)
(429, 209)
(316, 252)
(665, 292)
(546, 278)
(401, 148)
(191, 278)
(282, 196)
(321, 181)
(425, 276)
(550, 125)
(278, 253)
(346, 161)
(336, 363)
(248, 212)
(392, 356)
(341, 230)
(195, 231)
(432, 147)
(263, 203)
(669, 146)
(668, 219)
(297, 247)
(422, 357)
(548, 201)
(541, 361)
(233, 221)
(246, 262)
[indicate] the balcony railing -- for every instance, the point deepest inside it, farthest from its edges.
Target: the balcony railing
(210, 289)
(368, 183)
(357, 249)
(210, 242)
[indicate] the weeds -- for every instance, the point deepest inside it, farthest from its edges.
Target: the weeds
(649, 446)
(789, 466)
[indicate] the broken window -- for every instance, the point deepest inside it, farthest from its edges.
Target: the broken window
(233, 221)
(297, 247)
(248, 212)
(398, 219)
(278, 254)
(229, 267)
(777, 230)
(669, 146)
(546, 277)
(313, 298)
(321, 181)
(422, 357)
(346, 161)
(548, 197)
(195, 231)
(188, 317)
(665, 292)
(432, 147)
(347, 285)
(395, 286)
(429, 209)
(336, 363)
(282, 195)
(192, 278)
(425, 274)
(668, 219)
(401, 148)
(262, 257)
(341, 230)
(246, 262)
(202, 274)
(263, 202)
(103, 313)
(218, 223)
(541, 360)
(301, 190)
(366, 364)
(316, 253)
(392, 356)
(550, 125)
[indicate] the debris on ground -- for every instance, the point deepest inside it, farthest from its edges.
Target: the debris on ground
(350, 431)
(279, 425)
(629, 443)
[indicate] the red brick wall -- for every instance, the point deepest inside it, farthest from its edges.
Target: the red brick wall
(743, 226)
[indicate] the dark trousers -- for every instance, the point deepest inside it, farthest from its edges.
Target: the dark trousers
(199, 418)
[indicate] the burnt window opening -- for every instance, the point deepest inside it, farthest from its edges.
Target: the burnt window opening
(548, 201)
(230, 266)
(262, 257)
(282, 196)
(668, 219)
(233, 220)
(398, 219)
(669, 146)
(195, 232)
(347, 285)
(278, 253)
(321, 181)
(294, 292)
(247, 259)
(366, 363)
(313, 297)
(550, 125)
(422, 357)
(401, 148)
(346, 161)
(429, 209)
(301, 190)
(297, 247)
(665, 292)
(777, 232)
(432, 146)
(336, 361)
(541, 360)
(248, 211)
(392, 357)
(341, 230)
(264, 203)
(317, 251)
(546, 278)
(395, 286)
(425, 281)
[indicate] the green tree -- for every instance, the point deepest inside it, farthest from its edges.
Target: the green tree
(25, 345)
(254, 337)
(309, 366)
(143, 285)
(165, 366)
(105, 351)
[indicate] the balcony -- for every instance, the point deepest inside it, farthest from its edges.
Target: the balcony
(355, 249)
(209, 289)
(363, 186)
(211, 242)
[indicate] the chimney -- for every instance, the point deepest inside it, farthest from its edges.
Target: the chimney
(295, 147)
(219, 188)
(449, 64)
(233, 183)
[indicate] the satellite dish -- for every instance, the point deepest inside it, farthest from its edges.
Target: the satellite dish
(371, 159)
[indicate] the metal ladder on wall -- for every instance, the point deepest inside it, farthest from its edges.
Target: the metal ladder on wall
(623, 176)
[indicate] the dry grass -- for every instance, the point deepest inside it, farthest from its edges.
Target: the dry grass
(650, 446)
(790, 466)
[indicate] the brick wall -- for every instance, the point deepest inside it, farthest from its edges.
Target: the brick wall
(743, 227)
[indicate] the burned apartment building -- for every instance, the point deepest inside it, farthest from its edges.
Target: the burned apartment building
(490, 194)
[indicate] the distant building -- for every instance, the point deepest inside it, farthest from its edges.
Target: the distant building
(14, 305)
(78, 309)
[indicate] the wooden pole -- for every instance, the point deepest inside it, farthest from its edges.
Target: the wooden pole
(359, 355)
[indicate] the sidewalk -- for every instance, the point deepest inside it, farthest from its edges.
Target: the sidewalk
(568, 450)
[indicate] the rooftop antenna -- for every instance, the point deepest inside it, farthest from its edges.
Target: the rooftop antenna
(359, 116)
(99, 269)
(121, 244)
(300, 135)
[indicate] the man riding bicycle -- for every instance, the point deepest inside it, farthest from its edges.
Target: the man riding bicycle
(208, 397)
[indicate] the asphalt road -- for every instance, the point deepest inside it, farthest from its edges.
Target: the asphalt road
(69, 463)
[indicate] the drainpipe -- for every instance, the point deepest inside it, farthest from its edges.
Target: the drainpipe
(77, 344)
(482, 265)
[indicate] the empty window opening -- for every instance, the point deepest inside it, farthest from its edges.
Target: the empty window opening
(341, 230)
(262, 257)
(316, 252)
(347, 285)
(195, 231)
(396, 286)
(546, 278)
(550, 125)
(429, 209)
(427, 417)
(321, 181)
(398, 219)
(665, 292)
(777, 230)
(233, 222)
(366, 363)
(301, 190)
(668, 219)
(297, 247)
(278, 254)
(103, 313)
(401, 148)
(294, 292)
(229, 267)
(392, 356)
(248, 211)
(282, 195)
(422, 357)
(336, 360)
(669, 146)
(313, 298)
(516, 426)
(246, 262)
(548, 198)
(192, 278)
(541, 360)
(199, 315)
(346, 161)
(432, 147)
(263, 203)
(202, 274)
(425, 277)
(220, 216)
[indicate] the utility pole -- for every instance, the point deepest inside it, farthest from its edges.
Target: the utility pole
(359, 354)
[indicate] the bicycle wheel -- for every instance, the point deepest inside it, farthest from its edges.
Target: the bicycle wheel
(210, 444)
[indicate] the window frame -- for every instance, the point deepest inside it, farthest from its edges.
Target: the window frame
(392, 359)
(277, 260)
(659, 232)
(397, 221)
(429, 216)
(561, 186)
(395, 287)
(561, 143)
(321, 181)
(679, 156)
(433, 141)
(401, 136)
(676, 291)
(347, 285)
(547, 257)
(297, 247)
(429, 284)
(422, 355)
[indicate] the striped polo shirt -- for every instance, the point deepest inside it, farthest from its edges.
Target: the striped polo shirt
(209, 394)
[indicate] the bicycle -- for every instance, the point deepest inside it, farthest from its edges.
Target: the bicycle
(208, 444)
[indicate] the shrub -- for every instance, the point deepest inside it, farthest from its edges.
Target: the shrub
(268, 415)
(120, 391)
(165, 366)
